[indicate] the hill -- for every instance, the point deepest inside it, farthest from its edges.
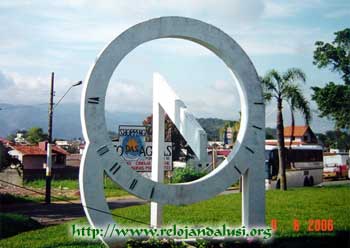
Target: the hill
(212, 126)
(66, 120)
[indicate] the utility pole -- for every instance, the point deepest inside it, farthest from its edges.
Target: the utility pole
(49, 151)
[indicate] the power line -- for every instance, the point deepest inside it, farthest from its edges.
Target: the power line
(61, 199)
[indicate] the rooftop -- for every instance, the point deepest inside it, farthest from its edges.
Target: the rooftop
(35, 150)
(29, 149)
(299, 131)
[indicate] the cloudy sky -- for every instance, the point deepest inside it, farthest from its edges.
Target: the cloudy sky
(38, 37)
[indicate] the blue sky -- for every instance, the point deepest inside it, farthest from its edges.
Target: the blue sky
(38, 37)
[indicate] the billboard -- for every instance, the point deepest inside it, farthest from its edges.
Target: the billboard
(136, 151)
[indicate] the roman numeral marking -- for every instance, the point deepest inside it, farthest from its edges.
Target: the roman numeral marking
(133, 184)
(238, 170)
(102, 150)
(94, 100)
(257, 127)
(152, 192)
(116, 169)
(249, 149)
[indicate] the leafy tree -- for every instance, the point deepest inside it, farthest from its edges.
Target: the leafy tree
(335, 139)
(334, 100)
(284, 87)
(35, 135)
(335, 55)
(215, 127)
(212, 127)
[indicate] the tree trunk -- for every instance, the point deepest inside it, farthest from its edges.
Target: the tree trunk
(293, 125)
(280, 145)
(292, 136)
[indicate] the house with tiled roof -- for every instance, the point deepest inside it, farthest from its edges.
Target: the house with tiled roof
(302, 134)
(34, 156)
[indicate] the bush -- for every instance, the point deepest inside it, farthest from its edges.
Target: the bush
(12, 224)
(187, 174)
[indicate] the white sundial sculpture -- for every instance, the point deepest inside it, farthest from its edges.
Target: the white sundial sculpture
(246, 158)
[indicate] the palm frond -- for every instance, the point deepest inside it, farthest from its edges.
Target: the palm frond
(267, 97)
(269, 83)
(293, 94)
(294, 74)
(276, 78)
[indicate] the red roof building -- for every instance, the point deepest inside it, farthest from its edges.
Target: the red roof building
(302, 134)
(34, 156)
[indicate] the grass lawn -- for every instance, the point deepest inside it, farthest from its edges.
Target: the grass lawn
(302, 204)
(11, 224)
(111, 189)
(55, 183)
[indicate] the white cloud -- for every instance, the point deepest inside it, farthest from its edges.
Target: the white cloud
(247, 11)
(277, 9)
(25, 89)
(128, 96)
(338, 13)
(54, 32)
(223, 86)
(14, 3)
(276, 39)
(45, 36)
(220, 100)
(6, 81)
(284, 9)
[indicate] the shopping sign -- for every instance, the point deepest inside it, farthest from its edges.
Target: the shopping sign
(136, 151)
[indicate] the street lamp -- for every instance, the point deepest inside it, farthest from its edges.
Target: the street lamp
(49, 147)
(76, 84)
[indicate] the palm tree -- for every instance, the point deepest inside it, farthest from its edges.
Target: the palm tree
(298, 102)
(284, 87)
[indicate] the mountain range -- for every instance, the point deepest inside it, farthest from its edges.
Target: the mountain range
(67, 125)
(66, 119)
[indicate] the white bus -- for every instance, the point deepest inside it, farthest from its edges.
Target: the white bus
(304, 166)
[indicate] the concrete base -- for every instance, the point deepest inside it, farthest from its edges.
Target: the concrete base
(253, 197)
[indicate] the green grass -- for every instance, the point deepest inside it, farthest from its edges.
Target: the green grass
(12, 224)
(302, 204)
(111, 189)
(58, 184)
